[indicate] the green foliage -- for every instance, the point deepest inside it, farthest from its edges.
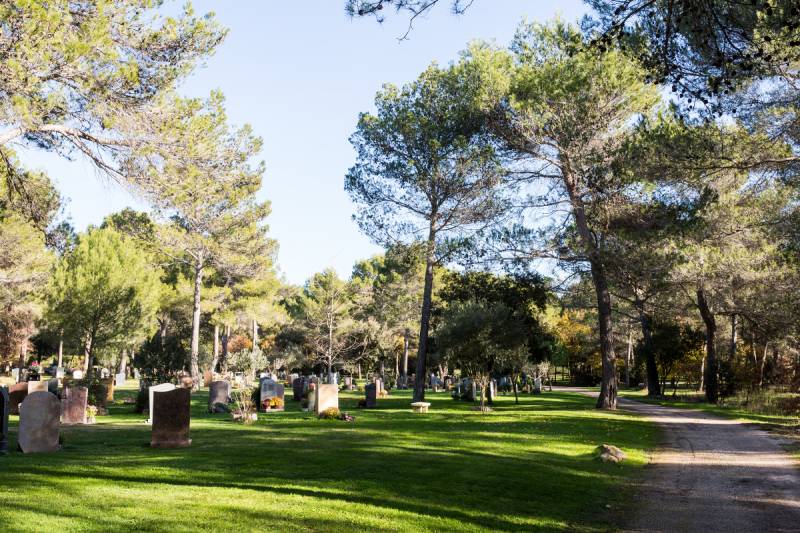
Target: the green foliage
(104, 293)
(90, 77)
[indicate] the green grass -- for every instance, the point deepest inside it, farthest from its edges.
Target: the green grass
(526, 467)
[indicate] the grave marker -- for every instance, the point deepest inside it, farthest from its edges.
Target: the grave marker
(163, 387)
(326, 396)
(37, 386)
(371, 395)
(39, 418)
(171, 418)
(219, 392)
(16, 394)
(73, 405)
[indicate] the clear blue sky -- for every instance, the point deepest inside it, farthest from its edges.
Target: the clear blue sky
(300, 72)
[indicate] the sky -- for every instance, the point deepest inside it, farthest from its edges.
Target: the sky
(300, 73)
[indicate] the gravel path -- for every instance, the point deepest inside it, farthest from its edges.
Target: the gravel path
(713, 474)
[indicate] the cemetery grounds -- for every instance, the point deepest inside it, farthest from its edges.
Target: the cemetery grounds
(531, 466)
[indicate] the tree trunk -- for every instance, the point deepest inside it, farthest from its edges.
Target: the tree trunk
(23, 355)
(404, 367)
(702, 386)
(123, 362)
(514, 386)
(255, 334)
(223, 365)
(162, 333)
(61, 351)
(734, 339)
(215, 360)
(425, 320)
(195, 369)
(628, 360)
(763, 365)
(712, 391)
(653, 383)
(608, 387)
(87, 357)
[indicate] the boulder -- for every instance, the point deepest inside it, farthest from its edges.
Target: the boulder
(611, 454)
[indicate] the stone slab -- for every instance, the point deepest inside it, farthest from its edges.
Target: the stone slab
(39, 417)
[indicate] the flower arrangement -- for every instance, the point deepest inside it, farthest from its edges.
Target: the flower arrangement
(91, 413)
(276, 403)
(273, 403)
(332, 413)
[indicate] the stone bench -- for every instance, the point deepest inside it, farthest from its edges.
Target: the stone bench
(420, 407)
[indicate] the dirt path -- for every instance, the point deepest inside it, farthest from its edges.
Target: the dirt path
(713, 474)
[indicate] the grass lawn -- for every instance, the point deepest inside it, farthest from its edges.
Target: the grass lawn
(522, 467)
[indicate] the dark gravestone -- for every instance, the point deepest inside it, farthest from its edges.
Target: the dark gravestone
(16, 394)
(219, 396)
(298, 389)
(4, 404)
(39, 418)
(372, 395)
(73, 405)
(52, 386)
(171, 419)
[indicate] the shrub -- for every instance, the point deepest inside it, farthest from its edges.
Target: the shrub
(245, 406)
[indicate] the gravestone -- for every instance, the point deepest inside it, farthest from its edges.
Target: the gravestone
(108, 383)
(16, 394)
(77, 374)
(38, 423)
(73, 405)
(163, 387)
(52, 386)
(327, 396)
(298, 389)
(37, 386)
(208, 378)
(371, 395)
(311, 390)
(15, 374)
(378, 387)
(171, 418)
(4, 401)
(219, 392)
(60, 372)
(270, 389)
(120, 379)
(537, 386)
